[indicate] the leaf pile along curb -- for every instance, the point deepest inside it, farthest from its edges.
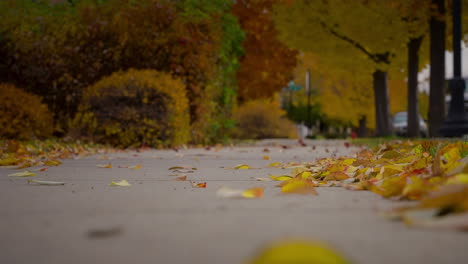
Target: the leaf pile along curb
(432, 172)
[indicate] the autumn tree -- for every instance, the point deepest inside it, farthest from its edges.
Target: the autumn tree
(340, 31)
(267, 63)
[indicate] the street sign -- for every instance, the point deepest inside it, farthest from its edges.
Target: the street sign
(293, 87)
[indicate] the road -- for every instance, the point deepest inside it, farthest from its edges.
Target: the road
(159, 220)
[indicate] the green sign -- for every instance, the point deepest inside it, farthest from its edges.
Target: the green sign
(293, 87)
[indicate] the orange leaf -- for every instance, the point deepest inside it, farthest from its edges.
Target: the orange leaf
(198, 185)
(256, 192)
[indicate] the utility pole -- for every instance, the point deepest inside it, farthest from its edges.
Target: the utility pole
(456, 123)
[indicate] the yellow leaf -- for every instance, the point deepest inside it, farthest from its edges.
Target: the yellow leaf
(22, 174)
(280, 177)
(52, 162)
(304, 175)
(297, 251)
(275, 164)
(266, 157)
(242, 167)
(461, 178)
(9, 161)
(299, 186)
(348, 161)
(122, 183)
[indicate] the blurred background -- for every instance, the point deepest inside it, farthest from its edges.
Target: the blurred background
(163, 73)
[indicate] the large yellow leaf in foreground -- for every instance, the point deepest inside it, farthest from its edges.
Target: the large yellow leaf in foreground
(297, 251)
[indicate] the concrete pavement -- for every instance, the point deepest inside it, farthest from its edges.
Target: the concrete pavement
(158, 220)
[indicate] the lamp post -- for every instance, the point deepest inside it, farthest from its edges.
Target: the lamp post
(456, 123)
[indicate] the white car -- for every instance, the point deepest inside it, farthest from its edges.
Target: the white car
(400, 125)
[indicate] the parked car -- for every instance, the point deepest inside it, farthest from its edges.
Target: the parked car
(400, 125)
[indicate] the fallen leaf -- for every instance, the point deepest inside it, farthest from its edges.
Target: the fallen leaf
(22, 174)
(299, 186)
(198, 185)
(304, 175)
(336, 176)
(52, 162)
(242, 167)
(105, 166)
(275, 165)
(43, 169)
(46, 182)
(298, 251)
(280, 177)
(181, 178)
(9, 161)
(122, 183)
(266, 157)
(182, 168)
(226, 192)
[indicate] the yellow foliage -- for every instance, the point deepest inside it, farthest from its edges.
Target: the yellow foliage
(22, 115)
(262, 118)
(133, 108)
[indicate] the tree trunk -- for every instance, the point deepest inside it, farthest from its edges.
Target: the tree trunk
(382, 111)
(362, 131)
(437, 76)
(413, 68)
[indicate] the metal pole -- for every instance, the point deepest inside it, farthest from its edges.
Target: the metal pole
(456, 38)
(309, 121)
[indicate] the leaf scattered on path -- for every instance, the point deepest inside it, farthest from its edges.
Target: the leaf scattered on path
(226, 192)
(299, 186)
(104, 166)
(242, 167)
(182, 168)
(52, 162)
(22, 174)
(198, 185)
(275, 165)
(181, 178)
(280, 177)
(266, 157)
(122, 183)
(52, 183)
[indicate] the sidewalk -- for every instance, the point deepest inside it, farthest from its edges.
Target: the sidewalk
(159, 220)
